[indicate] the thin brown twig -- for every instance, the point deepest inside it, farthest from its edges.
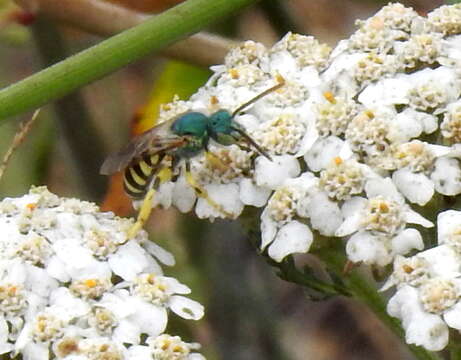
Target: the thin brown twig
(106, 19)
(17, 140)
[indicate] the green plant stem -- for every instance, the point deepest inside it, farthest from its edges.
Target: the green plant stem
(455, 353)
(367, 293)
(113, 53)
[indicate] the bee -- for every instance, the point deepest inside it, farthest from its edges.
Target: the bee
(151, 158)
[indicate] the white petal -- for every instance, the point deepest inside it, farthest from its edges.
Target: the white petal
(413, 217)
(417, 188)
(439, 150)
(406, 241)
(34, 351)
(386, 92)
(272, 174)
(183, 195)
(151, 319)
(139, 352)
(160, 253)
(250, 194)
(383, 187)
(447, 176)
(452, 316)
(429, 331)
(74, 256)
(294, 237)
(225, 195)
(323, 151)
(404, 304)
(39, 281)
(196, 356)
(129, 260)
(405, 126)
(448, 224)
(325, 215)
(126, 332)
(174, 286)
(186, 308)
(164, 195)
(67, 305)
(364, 247)
(56, 269)
(268, 229)
(353, 206)
(443, 260)
(308, 140)
(352, 212)
(118, 303)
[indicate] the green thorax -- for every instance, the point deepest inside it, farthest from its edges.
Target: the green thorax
(194, 125)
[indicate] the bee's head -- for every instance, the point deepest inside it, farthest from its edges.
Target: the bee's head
(221, 128)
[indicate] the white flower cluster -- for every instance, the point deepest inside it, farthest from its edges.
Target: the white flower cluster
(73, 287)
(348, 134)
(428, 296)
(362, 137)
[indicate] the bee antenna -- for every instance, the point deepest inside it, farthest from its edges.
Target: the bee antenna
(252, 142)
(259, 96)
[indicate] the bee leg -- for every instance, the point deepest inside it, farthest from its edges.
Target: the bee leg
(163, 175)
(201, 192)
(144, 213)
(216, 161)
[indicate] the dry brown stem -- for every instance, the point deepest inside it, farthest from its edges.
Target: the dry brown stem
(106, 19)
(17, 140)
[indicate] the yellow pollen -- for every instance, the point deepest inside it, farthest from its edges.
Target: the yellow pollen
(91, 283)
(280, 79)
(12, 290)
(214, 100)
(178, 349)
(337, 160)
(329, 96)
(234, 73)
(383, 207)
(407, 268)
(369, 114)
(31, 206)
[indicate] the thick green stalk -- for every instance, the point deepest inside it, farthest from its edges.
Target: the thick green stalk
(113, 53)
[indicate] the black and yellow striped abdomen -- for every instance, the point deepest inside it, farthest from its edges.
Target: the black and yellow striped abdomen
(138, 175)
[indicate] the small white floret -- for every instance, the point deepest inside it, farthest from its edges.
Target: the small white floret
(272, 174)
(294, 237)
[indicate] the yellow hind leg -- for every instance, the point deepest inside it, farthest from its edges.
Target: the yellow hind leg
(143, 215)
(201, 192)
(162, 176)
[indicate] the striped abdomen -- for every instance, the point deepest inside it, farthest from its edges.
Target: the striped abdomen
(138, 175)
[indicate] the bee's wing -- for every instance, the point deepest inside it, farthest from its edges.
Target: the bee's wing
(153, 141)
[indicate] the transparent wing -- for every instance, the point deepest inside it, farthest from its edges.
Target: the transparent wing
(156, 140)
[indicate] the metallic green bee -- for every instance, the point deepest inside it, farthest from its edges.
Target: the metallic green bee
(150, 158)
